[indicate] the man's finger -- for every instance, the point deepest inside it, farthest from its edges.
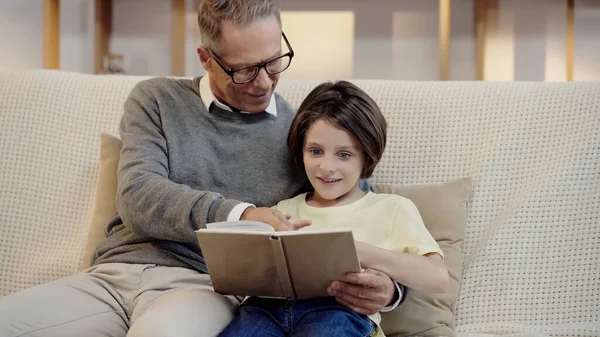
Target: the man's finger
(374, 272)
(285, 224)
(367, 278)
(301, 224)
(362, 296)
(356, 295)
(356, 308)
(351, 300)
(349, 305)
(356, 291)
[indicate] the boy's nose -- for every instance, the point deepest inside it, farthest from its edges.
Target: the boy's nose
(326, 165)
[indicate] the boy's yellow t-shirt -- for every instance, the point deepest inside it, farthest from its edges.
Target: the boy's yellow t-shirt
(387, 221)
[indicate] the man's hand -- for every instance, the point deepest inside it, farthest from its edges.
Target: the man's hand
(366, 293)
(274, 218)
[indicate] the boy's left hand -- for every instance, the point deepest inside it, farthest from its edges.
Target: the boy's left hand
(366, 293)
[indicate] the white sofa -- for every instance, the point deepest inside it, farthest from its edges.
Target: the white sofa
(531, 262)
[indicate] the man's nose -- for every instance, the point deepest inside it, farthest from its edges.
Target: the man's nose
(263, 80)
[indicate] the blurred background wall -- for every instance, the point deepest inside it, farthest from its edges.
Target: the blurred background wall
(379, 39)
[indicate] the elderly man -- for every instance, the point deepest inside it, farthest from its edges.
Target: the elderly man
(194, 151)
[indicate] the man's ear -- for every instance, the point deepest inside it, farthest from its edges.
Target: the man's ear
(204, 57)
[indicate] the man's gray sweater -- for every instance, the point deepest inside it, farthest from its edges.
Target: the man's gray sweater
(182, 166)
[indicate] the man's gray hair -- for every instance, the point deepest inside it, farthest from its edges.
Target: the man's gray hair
(211, 13)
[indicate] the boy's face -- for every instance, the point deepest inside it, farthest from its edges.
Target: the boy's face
(333, 161)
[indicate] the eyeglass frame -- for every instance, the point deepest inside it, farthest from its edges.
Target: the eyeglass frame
(261, 65)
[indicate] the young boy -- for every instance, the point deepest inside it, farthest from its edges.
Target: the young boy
(338, 136)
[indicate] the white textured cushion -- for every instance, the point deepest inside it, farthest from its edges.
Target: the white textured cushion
(531, 247)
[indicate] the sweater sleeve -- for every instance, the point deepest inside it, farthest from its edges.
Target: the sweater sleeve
(149, 204)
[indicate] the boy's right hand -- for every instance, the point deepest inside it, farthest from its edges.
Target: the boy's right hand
(274, 218)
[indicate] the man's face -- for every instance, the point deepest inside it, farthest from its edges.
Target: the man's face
(258, 42)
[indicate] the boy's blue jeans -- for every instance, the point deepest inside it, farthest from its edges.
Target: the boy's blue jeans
(317, 317)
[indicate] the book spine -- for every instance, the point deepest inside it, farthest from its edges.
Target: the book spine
(285, 280)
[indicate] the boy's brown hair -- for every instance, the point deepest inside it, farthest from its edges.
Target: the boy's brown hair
(346, 105)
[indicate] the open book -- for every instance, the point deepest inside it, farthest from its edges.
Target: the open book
(249, 258)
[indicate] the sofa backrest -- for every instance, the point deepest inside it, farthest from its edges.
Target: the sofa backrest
(533, 149)
(50, 125)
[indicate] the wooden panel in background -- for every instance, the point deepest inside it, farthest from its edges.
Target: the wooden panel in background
(51, 34)
(444, 37)
(177, 37)
(480, 27)
(570, 39)
(103, 30)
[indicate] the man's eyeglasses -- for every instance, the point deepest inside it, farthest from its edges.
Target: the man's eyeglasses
(248, 74)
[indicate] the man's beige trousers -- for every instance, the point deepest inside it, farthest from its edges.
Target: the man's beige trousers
(119, 300)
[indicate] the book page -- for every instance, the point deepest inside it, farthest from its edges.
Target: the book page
(315, 259)
(310, 231)
(242, 264)
(238, 226)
